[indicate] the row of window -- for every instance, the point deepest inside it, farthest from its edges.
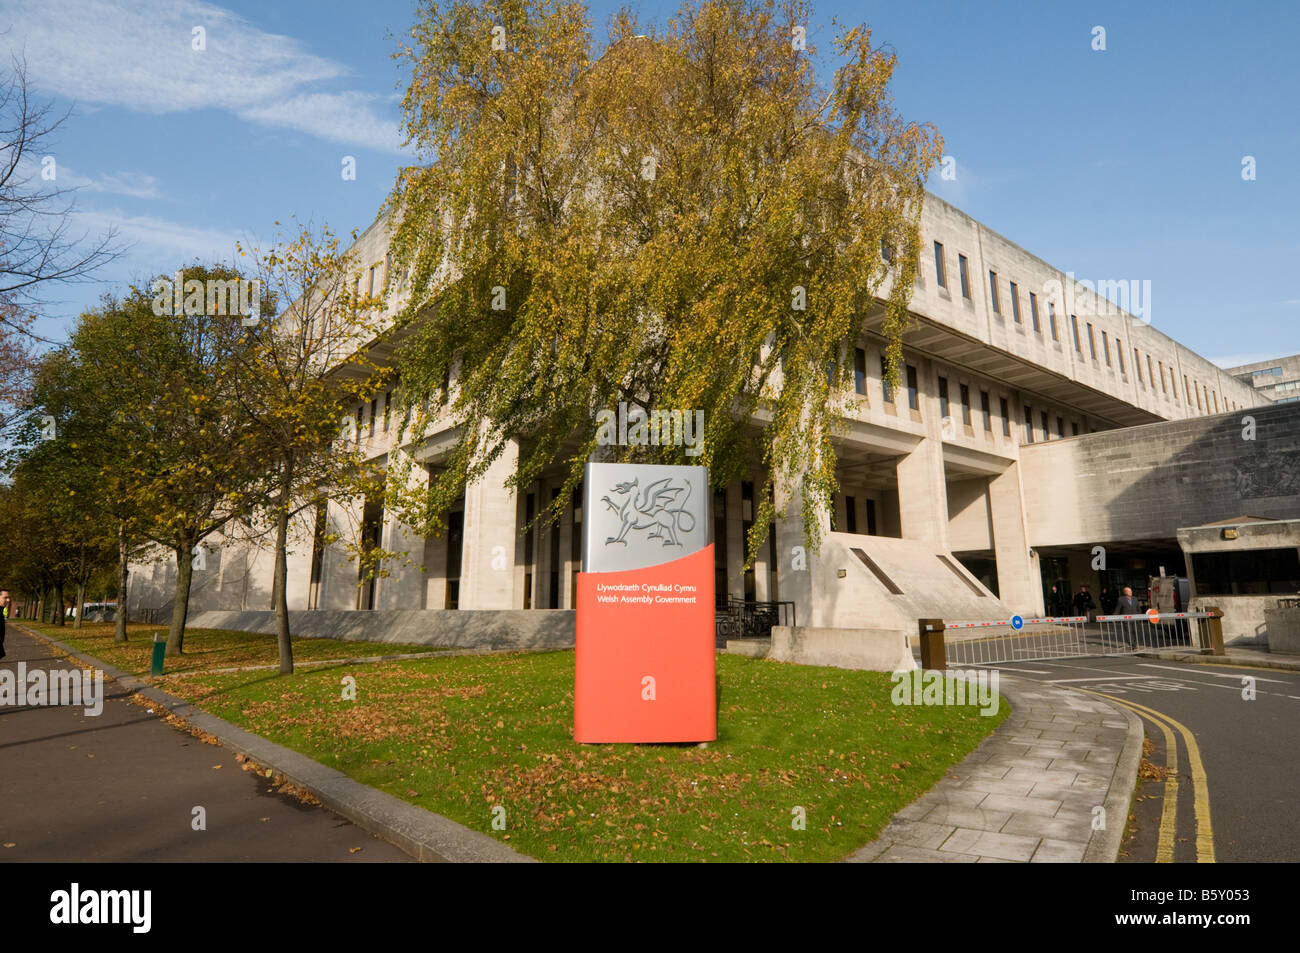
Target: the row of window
(1204, 397)
(963, 271)
(964, 399)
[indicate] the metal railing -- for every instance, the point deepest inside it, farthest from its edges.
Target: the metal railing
(1059, 637)
(741, 619)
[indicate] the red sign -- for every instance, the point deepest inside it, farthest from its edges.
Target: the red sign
(645, 654)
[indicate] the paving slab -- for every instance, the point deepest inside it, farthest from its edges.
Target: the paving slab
(1030, 791)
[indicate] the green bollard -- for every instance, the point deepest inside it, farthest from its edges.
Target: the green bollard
(159, 650)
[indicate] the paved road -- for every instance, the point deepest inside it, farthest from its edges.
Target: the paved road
(1239, 801)
(122, 786)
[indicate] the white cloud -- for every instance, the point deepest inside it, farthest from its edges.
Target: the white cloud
(339, 117)
(138, 54)
(171, 241)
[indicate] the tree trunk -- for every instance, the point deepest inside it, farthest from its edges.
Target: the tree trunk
(60, 610)
(181, 604)
(119, 624)
(81, 603)
(279, 595)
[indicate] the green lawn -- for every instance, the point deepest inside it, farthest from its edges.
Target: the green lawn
(464, 735)
(207, 648)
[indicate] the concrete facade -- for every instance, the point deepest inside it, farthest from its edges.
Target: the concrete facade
(952, 483)
(1247, 567)
(1278, 380)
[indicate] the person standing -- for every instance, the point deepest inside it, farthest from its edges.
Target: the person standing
(1108, 601)
(1055, 602)
(1083, 604)
(5, 603)
(1127, 605)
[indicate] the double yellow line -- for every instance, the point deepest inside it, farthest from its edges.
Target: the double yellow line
(1200, 785)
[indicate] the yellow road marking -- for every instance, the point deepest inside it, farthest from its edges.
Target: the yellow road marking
(1169, 807)
(1200, 781)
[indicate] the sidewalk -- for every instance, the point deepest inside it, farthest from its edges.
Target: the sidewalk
(1053, 783)
(406, 828)
(1246, 656)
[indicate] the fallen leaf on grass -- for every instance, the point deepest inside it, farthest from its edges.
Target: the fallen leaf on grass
(215, 767)
(353, 850)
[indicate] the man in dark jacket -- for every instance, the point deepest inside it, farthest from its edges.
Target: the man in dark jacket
(1127, 605)
(1055, 602)
(1083, 603)
(1107, 600)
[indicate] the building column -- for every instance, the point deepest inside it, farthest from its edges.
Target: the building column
(923, 492)
(339, 566)
(403, 587)
(487, 574)
(1019, 583)
(797, 568)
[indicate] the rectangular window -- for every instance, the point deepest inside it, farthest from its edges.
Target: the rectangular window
(388, 408)
(1105, 347)
(993, 290)
(1137, 365)
(370, 288)
(984, 410)
(913, 400)
(860, 371)
(1092, 342)
(1173, 383)
(963, 271)
(1163, 386)
(1051, 319)
(1119, 354)
(1029, 424)
(1249, 572)
(884, 384)
(1006, 417)
(1074, 430)
(455, 548)
(965, 405)
(1042, 418)
(940, 273)
(943, 397)
(1033, 312)
(1015, 303)
(850, 514)
(1060, 426)
(1215, 398)
(1187, 389)
(1074, 322)
(1151, 371)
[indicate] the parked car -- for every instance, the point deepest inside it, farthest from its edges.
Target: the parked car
(95, 612)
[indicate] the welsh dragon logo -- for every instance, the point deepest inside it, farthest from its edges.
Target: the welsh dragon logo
(659, 508)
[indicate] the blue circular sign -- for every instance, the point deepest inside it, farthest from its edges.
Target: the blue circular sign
(1017, 622)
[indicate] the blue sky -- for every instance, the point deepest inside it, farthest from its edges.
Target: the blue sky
(1115, 164)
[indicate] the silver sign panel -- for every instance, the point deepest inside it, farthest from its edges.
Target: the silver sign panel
(639, 514)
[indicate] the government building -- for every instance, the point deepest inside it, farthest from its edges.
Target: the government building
(1040, 434)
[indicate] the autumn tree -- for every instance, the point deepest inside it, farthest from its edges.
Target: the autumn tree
(305, 368)
(162, 363)
(691, 220)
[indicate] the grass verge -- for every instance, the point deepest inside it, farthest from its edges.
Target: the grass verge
(484, 738)
(207, 648)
